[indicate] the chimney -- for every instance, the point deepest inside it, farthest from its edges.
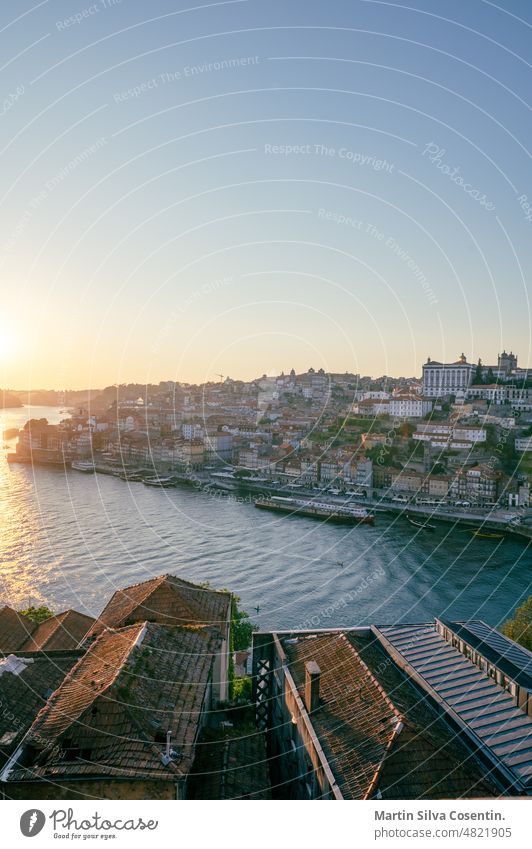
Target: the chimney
(312, 685)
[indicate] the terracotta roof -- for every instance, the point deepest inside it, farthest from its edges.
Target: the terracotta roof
(14, 629)
(26, 681)
(355, 722)
(427, 761)
(61, 632)
(110, 715)
(230, 764)
(57, 633)
(380, 734)
(167, 600)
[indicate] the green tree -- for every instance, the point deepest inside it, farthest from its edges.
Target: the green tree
(490, 377)
(519, 628)
(477, 378)
(241, 626)
(37, 614)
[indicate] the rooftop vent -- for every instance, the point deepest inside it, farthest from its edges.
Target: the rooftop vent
(312, 685)
(169, 754)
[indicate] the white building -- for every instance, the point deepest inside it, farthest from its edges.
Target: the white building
(441, 379)
(192, 430)
(500, 393)
(410, 407)
(455, 437)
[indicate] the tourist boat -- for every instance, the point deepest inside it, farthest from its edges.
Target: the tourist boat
(425, 526)
(486, 534)
(165, 483)
(86, 466)
(352, 514)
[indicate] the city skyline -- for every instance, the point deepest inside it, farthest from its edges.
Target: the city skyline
(218, 377)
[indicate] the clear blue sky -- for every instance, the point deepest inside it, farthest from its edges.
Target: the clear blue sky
(245, 187)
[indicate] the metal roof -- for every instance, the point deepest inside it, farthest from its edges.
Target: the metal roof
(515, 655)
(489, 712)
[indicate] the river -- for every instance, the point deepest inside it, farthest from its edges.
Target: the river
(69, 540)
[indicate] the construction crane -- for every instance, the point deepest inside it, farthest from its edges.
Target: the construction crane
(221, 376)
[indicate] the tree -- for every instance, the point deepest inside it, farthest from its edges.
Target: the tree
(490, 377)
(37, 614)
(477, 378)
(519, 628)
(241, 626)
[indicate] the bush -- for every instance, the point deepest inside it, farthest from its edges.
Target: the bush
(520, 627)
(37, 614)
(242, 689)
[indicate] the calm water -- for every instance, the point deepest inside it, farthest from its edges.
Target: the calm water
(68, 539)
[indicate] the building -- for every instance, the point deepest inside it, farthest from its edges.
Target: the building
(173, 602)
(443, 379)
(501, 393)
(124, 721)
(26, 681)
(431, 711)
(120, 716)
(479, 484)
(62, 632)
(409, 407)
(218, 447)
(507, 362)
(450, 436)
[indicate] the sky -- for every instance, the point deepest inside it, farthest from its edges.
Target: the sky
(244, 187)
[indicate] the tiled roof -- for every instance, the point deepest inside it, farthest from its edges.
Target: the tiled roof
(428, 761)
(230, 764)
(356, 722)
(167, 600)
(14, 629)
(25, 689)
(61, 632)
(110, 715)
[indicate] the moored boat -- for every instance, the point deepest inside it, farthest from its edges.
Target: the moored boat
(130, 476)
(165, 483)
(425, 526)
(85, 466)
(352, 514)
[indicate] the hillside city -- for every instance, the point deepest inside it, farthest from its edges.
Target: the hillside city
(459, 438)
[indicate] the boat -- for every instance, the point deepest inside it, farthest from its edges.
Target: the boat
(185, 480)
(425, 526)
(224, 480)
(130, 476)
(165, 483)
(351, 515)
(478, 534)
(86, 466)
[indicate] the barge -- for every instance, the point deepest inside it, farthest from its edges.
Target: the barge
(346, 514)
